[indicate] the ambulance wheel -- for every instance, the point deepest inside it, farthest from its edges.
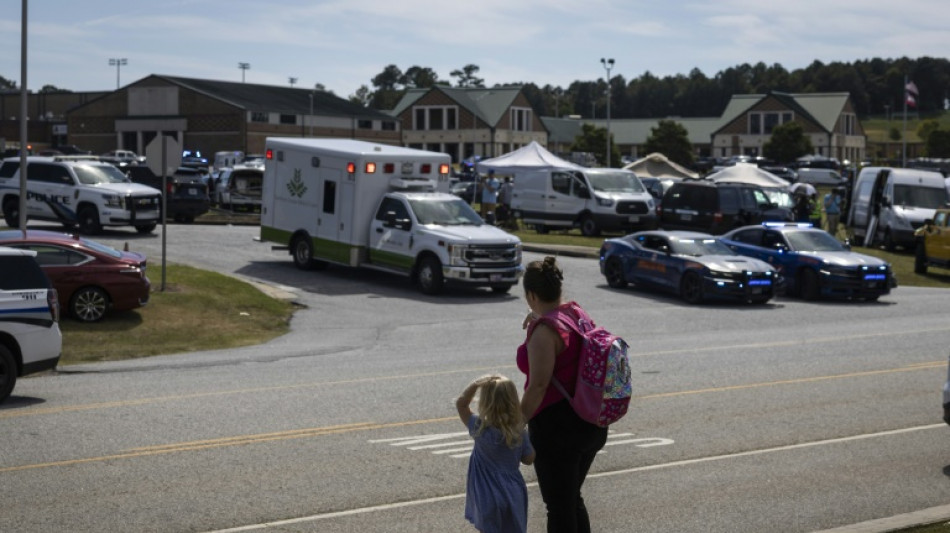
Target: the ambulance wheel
(430, 276)
(302, 249)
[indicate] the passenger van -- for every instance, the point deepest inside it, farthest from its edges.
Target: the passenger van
(592, 199)
(889, 204)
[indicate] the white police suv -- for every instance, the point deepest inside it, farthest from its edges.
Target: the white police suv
(77, 191)
(30, 340)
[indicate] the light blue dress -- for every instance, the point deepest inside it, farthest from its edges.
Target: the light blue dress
(496, 498)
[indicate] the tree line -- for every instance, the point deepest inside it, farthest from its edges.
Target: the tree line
(876, 87)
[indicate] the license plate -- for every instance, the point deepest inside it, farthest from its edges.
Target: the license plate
(192, 192)
(871, 285)
(756, 290)
(634, 218)
(494, 277)
(686, 217)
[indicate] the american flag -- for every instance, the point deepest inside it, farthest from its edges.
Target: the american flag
(910, 94)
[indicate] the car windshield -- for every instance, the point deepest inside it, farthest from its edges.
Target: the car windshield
(699, 247)
(102, 248)
(779, 197)
(813, 241)
(442, 212)
(926, 197)
(615, 182)
(95, 174)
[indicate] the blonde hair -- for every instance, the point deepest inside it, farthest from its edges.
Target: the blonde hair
(499, 407)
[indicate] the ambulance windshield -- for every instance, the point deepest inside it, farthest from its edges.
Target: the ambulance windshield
(442, 212)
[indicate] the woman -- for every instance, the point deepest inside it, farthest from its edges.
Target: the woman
(565, 444)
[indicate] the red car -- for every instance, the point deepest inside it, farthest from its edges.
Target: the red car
(90, 277)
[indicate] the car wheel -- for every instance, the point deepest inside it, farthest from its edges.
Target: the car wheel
(8, 372)
(809, 288)
(613, 271)
(501, 289)
(430, 276)
(303, 252)
(589, 227)
(691, 288)
(11, 212)
(89, 220)
(89, 304)
(920, 259)
(145, 228)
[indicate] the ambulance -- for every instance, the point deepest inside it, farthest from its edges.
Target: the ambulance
(361, 204)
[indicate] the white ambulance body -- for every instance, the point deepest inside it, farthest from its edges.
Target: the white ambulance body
(362, 204)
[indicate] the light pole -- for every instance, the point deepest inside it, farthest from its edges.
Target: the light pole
(117, 62)
(243, 67)
(292, 80)
(608, 64)
(310, 118)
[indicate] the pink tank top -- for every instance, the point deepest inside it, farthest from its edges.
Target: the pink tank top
(565, 364)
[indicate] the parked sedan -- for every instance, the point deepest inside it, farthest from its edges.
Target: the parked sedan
(697, 266)
(90, 277)
(813, 263)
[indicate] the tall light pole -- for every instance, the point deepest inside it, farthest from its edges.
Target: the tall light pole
(608, 64)
(243, 67)
(118, 63)
(292, 80)
(310, 118)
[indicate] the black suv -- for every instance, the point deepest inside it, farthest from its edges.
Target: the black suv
(717, 208)
(188, 195)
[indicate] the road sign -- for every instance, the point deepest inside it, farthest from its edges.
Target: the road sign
(153, 156)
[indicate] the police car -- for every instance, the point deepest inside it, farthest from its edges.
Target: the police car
(813, 263)
(77, 191)
(30, 340)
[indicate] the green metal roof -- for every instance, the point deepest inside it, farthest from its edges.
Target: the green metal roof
(489, 105)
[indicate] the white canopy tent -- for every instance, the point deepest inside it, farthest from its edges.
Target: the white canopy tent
(527, 158)
(747, 173)
(657, 165)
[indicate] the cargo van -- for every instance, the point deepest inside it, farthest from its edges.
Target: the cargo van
(369, 205)
(889, 204)
(592, 199)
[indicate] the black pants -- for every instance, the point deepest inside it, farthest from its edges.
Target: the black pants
(566, 447)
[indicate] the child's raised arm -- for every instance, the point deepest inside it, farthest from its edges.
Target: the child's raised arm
(463, 401)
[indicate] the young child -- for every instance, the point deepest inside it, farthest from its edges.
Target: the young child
(496, 498)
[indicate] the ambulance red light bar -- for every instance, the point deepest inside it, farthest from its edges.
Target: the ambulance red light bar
(389, 168)
(370, 168)
(351, 168)
(444, 168)
(269, 154)
(425, 168)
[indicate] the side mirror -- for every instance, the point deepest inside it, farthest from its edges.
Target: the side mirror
(583, 192)
(885, 201)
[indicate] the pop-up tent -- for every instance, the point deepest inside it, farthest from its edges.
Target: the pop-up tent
(527, 158)
(657, 165)
(747, 173)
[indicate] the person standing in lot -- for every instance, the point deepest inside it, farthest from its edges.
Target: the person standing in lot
(490, 187)
(496, 497)
(566, 445)
(504, 200)
(832, 207)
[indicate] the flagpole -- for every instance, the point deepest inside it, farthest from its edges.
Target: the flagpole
(904, 136)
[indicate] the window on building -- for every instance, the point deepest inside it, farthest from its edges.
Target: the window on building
(389, 125)
(520, 119)
(288, 119)
(769, 121)
(755, 123)
(436, 118)
(364, 124)
(258, 116)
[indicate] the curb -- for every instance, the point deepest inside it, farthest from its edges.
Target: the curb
(924, 517)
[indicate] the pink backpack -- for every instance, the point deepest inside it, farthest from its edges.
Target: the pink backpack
(603, 388)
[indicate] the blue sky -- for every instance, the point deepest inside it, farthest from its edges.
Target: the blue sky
(343, 44)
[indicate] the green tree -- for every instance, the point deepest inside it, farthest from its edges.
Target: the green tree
(7, 84)
(938, 143)
(362, 96)
(593, 140)
(419, 77)
(671, 139)
(894, 134)
(388, 91)
(927, 127)
(787, 143)
(467, 76)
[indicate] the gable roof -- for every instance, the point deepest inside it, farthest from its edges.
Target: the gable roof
(490, 105)
(275, 99)
(822, 109)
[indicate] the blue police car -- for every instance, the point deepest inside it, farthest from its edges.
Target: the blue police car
(697, 266)
(813, 263)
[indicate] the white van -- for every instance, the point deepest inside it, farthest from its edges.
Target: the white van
(227, 159)
(888, 204)
(592, 199)
(370, 205)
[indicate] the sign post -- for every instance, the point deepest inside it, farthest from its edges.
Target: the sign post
(163, 156)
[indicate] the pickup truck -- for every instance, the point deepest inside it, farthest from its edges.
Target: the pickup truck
(933, 242)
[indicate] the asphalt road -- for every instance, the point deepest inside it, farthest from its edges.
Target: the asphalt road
(789, 417)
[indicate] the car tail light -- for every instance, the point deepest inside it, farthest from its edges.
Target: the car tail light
(170, 187)
(717, 217)
(52, 300)
(659, 211)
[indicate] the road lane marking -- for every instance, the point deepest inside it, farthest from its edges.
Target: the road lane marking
(597, 475)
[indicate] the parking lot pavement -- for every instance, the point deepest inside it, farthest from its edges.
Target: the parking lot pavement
(897, 523)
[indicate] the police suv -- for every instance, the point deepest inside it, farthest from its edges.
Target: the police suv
(77, 191)
(30, 340)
